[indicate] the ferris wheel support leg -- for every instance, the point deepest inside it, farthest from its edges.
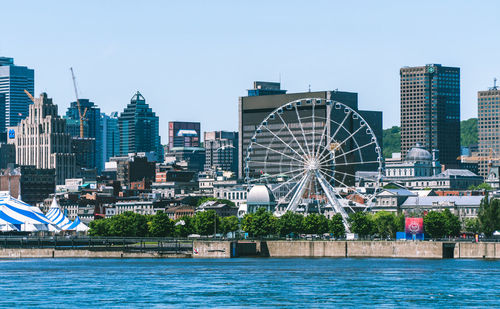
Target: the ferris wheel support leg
(333, 200)
(294, 202)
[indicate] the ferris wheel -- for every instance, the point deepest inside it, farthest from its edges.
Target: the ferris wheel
(310, 153)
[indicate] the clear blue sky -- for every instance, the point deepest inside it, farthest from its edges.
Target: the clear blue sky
(193, 59)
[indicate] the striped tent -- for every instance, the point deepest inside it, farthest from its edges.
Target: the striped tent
(56, 216)
(31, 221)
(8, 224)
(77, 226)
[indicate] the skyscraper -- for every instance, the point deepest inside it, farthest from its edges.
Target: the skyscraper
(13, 81)
(221, 150)
(488, 108)
(183, 134)
(430, 110)
(91, 129)
(110, 136)
(41, 140)
(139, 128)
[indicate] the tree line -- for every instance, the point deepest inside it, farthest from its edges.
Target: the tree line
(262, 223)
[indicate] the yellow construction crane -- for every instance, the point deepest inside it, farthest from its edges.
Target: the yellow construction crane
(29, 95)
(476, 159)
(80, 114)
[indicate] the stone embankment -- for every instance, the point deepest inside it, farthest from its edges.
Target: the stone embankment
(16, 253)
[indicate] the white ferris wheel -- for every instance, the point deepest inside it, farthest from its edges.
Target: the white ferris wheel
(308, 152)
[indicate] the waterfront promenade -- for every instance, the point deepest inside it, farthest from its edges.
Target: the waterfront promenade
(87, 247)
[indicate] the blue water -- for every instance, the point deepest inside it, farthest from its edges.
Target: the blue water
(255, 282)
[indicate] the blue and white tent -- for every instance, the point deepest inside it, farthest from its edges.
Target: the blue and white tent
(8, 224)
(16, 211)
(77, 226)
(56, 216)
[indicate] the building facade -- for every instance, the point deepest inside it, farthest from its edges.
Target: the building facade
(110, 136)
(183, 134)
(13, 81)
(28, 183)
(430, 110)
(221, 151)
(42, 141)
(139, 128)
(91, 127)
(488, 127)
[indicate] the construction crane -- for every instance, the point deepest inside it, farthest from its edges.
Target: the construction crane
(476, 159)
(80, 114)
(29, 95)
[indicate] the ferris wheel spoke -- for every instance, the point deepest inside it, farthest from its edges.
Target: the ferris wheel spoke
(283, 199)
(353, 188)
(282, 141)
(321, 141)
(279, 152)
(356, 163)
(313, 128)
(293, 135)
(289, 181)
(345, 153)
(273, 163)
(336, 132)
(345, 140)
(302, 129)
(277, 175)
(344, 173)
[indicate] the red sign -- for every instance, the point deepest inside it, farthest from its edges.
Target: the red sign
(414, 225)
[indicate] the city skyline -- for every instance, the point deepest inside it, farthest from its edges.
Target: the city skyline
(183, 52)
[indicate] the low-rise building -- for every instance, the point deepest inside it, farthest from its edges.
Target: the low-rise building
(221, 209)
(180, 211)
(461, 206)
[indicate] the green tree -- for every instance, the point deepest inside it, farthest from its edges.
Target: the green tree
(128, 224)
(400, 222)
(482, 186)
(452, 223)
(336, 226)
(99, 227)
(161, 225)
(259, 224)
(229, 224)
(468, 132)
(206, 222)
(489, 216)
(391, 140)
(435, 224)
(472, 225)
(184, 226)
(385, 224)
(290, 222)
(361, 223)
(315, 224)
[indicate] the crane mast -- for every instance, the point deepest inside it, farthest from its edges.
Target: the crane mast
(80, 114)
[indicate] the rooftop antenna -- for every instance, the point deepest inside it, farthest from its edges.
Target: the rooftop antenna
(309, 87)
(495, 83)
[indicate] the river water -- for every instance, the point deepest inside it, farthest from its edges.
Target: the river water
(242, 282)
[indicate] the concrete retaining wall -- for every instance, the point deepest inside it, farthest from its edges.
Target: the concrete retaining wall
(306, 248)
(395, 249)
(51, 253)
(480, 250)
(213, 249)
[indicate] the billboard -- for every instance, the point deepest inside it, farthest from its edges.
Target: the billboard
(414, 225)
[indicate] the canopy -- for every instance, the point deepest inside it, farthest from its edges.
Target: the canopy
(56, 216)
(77, 225)
(22, 215)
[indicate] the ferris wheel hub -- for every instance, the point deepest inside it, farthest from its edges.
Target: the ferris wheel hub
(312, 164)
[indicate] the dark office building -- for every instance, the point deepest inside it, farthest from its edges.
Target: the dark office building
(84, 150)
(91, 127)
(139, 128)
(183, 134)
(430, 111)
(253, 109)
(221, 151)
(134, 169)
(193, 156)
(35, 184)
(13, 81)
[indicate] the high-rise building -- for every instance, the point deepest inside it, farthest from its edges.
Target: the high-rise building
(42, 141)
(255, 107)
(221, 151)
(183, 134)
(430, 110)
(139, 128)
(13, 81)
(110, 136)
(488, 107)
(91, 128)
